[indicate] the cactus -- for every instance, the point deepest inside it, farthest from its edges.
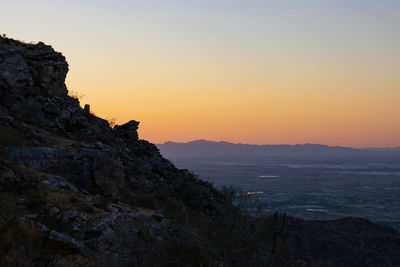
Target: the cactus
(278, 223)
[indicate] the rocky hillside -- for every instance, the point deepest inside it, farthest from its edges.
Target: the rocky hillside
(76, 192)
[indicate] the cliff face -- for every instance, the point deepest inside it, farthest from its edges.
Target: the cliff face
(33, 69)
(71, 177)
(75, 191)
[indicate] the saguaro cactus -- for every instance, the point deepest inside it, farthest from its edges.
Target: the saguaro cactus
(278, 223)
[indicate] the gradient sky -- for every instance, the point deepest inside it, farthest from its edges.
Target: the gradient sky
(250, 71)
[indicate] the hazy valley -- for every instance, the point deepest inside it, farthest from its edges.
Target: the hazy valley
(309, 181)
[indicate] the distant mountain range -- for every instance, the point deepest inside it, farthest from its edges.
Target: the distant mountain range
(216, 150)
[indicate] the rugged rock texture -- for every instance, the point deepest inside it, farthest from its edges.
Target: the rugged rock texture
(76, 192)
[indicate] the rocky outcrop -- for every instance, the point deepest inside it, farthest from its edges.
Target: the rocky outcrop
(94, 170)
(32, 81)
(76, 192)
(32, 69)
(97, 191)
(128, 131)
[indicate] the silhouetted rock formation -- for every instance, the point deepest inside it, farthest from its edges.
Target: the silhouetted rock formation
(75, 192)
(128, 131)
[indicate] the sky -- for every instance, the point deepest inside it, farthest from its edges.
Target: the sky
(249, 71)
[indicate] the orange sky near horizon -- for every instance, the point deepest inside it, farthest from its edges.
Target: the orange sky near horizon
(258, 72)
(327, 106)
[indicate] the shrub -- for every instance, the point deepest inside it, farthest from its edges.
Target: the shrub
(112, 122)
(76, 95)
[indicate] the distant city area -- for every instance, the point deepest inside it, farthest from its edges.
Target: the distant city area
(365, 183)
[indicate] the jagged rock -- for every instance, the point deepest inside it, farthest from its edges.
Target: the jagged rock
(102, 146)
(89, 169)
(65, 239)
(14, 71)
(54, 211)
(62, 183)
(32, 216)
(31, 67)
(127, 131)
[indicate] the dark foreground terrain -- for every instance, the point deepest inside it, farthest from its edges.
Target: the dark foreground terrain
(76, 192)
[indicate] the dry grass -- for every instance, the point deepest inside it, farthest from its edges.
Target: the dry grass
(147, 212)
(22, 245)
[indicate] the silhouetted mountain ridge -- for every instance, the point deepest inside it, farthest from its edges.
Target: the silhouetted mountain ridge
(222, 149)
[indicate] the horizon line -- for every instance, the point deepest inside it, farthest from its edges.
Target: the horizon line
(297, 144)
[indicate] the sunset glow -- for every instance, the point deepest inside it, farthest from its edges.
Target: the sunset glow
(260, 72)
